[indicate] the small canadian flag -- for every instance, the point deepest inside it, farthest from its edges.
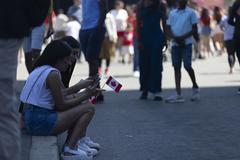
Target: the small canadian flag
(115, 85)
(93, 100)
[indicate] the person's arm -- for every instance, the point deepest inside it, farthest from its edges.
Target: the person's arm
(78, 86)
(164, 17)
(103, 12)
(62, 103)
(195, 33)
(168, 29)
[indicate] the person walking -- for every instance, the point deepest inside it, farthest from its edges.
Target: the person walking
(228, 40)
(205, 32)
(151, 41)
(182, 24)
(92, 34)
(108, 48)
(121, 16)
(133, 21)
(16, 21)
(234, 19)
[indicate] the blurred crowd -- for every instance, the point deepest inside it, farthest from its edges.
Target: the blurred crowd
(120, 41)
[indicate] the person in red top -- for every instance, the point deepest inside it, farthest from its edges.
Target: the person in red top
(131, 9)
(205, 32)
(127, 44)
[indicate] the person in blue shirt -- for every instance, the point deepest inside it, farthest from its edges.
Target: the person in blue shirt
(92, 33)
(76, 10)
(182, 25)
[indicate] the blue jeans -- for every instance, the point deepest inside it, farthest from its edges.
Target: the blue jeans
(39, 121)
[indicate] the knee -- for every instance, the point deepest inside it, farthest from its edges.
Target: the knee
(90, 108)
(188, 68)
(177, 69)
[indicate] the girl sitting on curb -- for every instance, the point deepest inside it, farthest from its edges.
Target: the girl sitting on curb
(50, 109)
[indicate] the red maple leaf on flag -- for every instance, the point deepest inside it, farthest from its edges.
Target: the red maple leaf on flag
(113, 84)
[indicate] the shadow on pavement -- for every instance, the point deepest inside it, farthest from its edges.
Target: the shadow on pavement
(133, 129)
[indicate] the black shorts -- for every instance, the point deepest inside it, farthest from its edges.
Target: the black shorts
(91, 42)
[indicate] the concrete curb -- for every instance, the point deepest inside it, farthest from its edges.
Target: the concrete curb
(44, 147)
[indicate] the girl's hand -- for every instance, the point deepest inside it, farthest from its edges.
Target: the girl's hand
(86, 82)
(95, 78)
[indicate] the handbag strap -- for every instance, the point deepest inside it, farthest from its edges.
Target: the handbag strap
(35, 83)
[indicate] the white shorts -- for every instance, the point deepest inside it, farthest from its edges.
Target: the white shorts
(35, 39)
(127, 50)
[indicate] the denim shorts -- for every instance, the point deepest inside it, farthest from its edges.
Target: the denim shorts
(35, 39)
(182, 53)
(91, 42)
(39, 121)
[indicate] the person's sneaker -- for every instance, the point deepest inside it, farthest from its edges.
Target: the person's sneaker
(84, 147)
(158, 96)
(195, 94)
(136, 74)
(238, 92)
(90, 143)
(175, 99)
(75, 154)
(144, 95)
(100, 98)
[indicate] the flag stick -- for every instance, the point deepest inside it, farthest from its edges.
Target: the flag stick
(103, 86)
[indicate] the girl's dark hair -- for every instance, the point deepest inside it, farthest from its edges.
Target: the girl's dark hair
(217, 14)
(54, 51)
(205, 17)
(71, 41)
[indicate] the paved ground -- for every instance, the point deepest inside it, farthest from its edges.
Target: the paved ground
(132, 129)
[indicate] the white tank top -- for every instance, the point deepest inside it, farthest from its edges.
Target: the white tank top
(35, 91)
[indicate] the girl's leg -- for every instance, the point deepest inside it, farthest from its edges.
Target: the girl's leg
(230, 52)
(76, 120)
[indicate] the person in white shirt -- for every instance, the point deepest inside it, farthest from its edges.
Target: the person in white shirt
(60, 25)
(73, 27)
(108, 48)
(121, 16)
(50, 109)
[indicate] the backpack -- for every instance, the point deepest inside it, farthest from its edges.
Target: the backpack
(36, 11)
